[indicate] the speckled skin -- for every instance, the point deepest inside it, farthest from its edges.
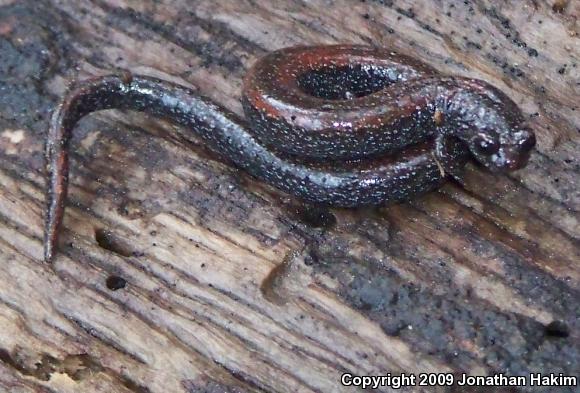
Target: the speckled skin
(342, 125)
(317, 114)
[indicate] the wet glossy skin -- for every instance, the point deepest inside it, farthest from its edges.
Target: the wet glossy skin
(341, 125)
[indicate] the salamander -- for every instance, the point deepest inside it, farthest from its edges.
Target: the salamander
(342, 125)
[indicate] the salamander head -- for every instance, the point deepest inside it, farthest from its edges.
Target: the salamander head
(493, 127)
(504, 150)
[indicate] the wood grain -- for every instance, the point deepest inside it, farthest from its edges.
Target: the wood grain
(179, 273)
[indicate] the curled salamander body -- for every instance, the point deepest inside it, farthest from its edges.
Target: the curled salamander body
(342, 125)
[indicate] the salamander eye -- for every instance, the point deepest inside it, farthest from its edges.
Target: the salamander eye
(527, 141)
(486, 145)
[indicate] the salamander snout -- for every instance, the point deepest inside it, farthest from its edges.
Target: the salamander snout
(503, 152)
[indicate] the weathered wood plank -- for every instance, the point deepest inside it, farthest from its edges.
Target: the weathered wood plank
(224, 284)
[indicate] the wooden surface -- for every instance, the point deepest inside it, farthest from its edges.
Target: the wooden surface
(230, 286)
